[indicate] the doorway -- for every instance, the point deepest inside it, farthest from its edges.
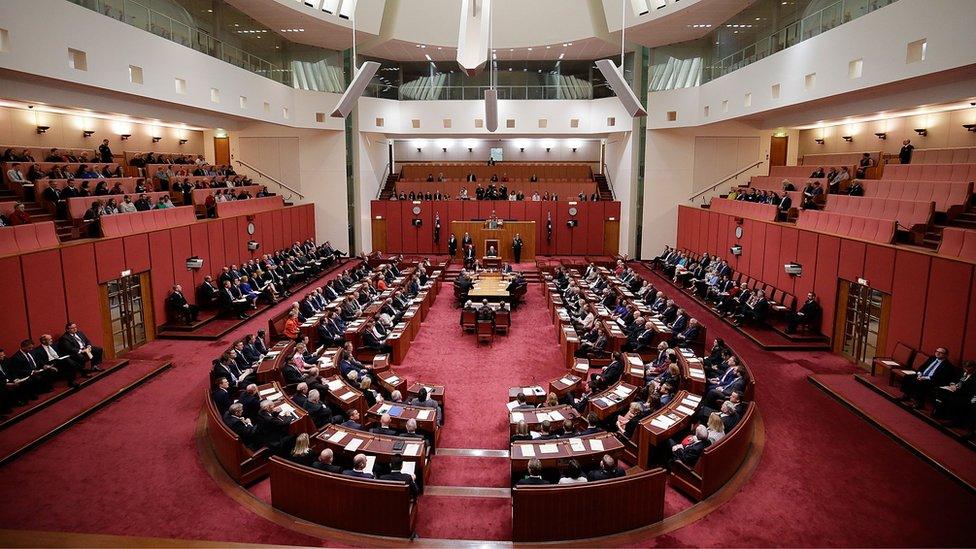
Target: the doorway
(611, 237)
(222, 151)
(777, 150)
(862, 324)
(127, 311)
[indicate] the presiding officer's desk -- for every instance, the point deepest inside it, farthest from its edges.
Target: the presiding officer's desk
(492, 286)
(346, 443)
(534, 418)
(588, 450)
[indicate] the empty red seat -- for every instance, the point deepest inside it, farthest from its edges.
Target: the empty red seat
(958, 242)
(26, 236)
(8, 242)
(873, 229)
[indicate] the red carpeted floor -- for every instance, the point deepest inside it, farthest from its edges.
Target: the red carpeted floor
(827, 478)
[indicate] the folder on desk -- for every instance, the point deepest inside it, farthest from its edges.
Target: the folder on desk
(370, 462)
(555, 416)
(337, 437)
(685, 410)
(517, 417)
(409, 468)
(539, 391)
(567, 381)
(348, 396)
(635, 360)
(596, 445)
(353, 445)
(577, 445)
(424, 415)
(383, 409)
(334, 384)
(548, 448)
(411, 450)
(511, 405)
(395, 411)
(527, 450)
(267, 391)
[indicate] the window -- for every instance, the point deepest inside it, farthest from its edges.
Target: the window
(672, 116)
(574, 122)
(415, 123)
(320, 117)
(180, 85)
(510, 123)
(774, 91)
(267, 107)
(855, 68)
(77, 60)
(543, 123)
(284, 112)
(809, 81)
(706, 111)
(4, 40)
(135, 74)
(447, 123)
(379, 122)
(214, 95)
(916, 51)
(243, 101)
(748, 100)
(611, 121)
(479, 122)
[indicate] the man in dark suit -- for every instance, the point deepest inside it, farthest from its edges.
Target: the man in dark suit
(809, 314)
(608, 470)
(47, 354)
(208, 292)
(34, 376)
(535, 474)
(452, 245)
(358, 466)
(250, 398)
(384, 428)
(241, 425)
(934, 372)
(517, 248)
(320, 413)
(591, 425)
(75, 344)
(688, 336)
(610, 373)
(952, 400)
(271, 429)
(229, 303)
(221, 396)
(396, 473)
(179, 307)
(353, 421)
(690, 453)
(324, 463)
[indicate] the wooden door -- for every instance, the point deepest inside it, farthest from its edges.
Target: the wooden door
(379, 235)
(611, 237)
(127, 313)
(221, 151)
(777, 150)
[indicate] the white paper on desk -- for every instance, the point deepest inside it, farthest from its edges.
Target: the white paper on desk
(556, 416)
(635, 360)
(409, 468)
(539, 391)
(411, 449)
(686, 351)
(337, 437)
(695, 360)
(890, 363)
(393, 380)
(334, 384)
(272, 354)
(656, 422)
(267, 391)
(527, 391)
(596, 445)
(348, 396)
(664, 421)
(286, 409)
(696, 372)
(685, 410)
(527, 450)
(541, 416)
(370, 462)
(577, 445)
(621, 391)
(567, 381)
(273, 396)
(517, 417)
(689, 403)
(605, 401)
(548, 448)
(353, 445)
(693, 398)
(384, 408)
(511, 405)
(424, 415)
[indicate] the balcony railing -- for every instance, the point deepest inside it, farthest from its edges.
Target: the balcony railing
(139, 15)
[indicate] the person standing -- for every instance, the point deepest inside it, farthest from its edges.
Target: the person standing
(105, 153)
(905, 154)
(517, 248)
(452, 245)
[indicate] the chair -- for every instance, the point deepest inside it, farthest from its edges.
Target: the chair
(485, 331)
(468, 320)
(895, 375)
(901, 357)
(503, 321)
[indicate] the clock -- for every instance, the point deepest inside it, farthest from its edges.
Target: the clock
(572, 210)
(250, 227)
(738, 231)
(416, 210)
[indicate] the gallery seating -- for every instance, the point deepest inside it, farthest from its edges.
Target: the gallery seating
(78, 206)
(911, 215)
(27, 238)
(249, 206)
(954, 155)
(958, 242)
(930, 172)
(144, 222)
(762, 212)
(950, 197)
(866, 228)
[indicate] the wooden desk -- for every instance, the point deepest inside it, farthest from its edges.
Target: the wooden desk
(491, 262)
(615, 399)
(345, 396)
(389, 381)
(491, 286)
(534, 418)
(340, 440)
(587, 449)
(426, 418)
(533, 394)
(434, 392)
(301, 422)
(269, 369)
(504, 235)
(569, 383)
(665, 423)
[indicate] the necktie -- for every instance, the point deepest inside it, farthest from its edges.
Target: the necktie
(931, 369)
(30, 359)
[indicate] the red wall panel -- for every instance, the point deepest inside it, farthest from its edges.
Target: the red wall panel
(825, 285)
(394, 236)
(218, 258)
(503, 209)
(773, 248)
(425, 235)
(946, 306)
(409, 236)
(13, 306)
(44, 290)
(909, 287)
(180, 239)
(879, 265)
(581, 231)
(594, 231)
(469, 210)
(969, 341)
(271, 231)
(757, 249)
(564, 235)
(136, 253)
(533, 210)
(296, 225)
(279, 236)
(81, 289)
(262, 232)
(787, 254)
(806, 255)
(161, 255)
(682, 236)
(109, 259)
(200, 247)
(713, 232)
(739, 263)
(517, 210)
(485, 207)
(232, 254)
(378, 208)
(851, 266)
(243, 238)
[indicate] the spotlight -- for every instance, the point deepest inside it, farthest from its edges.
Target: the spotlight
(970, 127)
(921, 131)
(819, 140)
(183, 141)
(882, 135)
(125, 136)
(42, 129)
(87, 133)
(848, 138)
(156, 139)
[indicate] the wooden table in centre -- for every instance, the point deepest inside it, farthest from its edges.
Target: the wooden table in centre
(490, 286)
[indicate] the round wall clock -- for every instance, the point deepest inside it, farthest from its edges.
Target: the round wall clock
(572, 210)
(250, 227)
(738, 231)
(416, 210)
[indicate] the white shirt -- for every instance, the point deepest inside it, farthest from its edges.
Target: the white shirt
(567, 480)
(15, 175)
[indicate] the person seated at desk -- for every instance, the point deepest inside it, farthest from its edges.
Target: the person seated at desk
(608, 469)
(358, 467)
(320, 413)
(594, 343)
(485, 312)
(396, 474)
(424, 401)
(231, 303)
(689, 453)
(522, 404)
(348, 363)
(546, 431)
(573, 474)
(271, 429)
(688, 336)
(492, 252)
(324, 462)
(754, 310)
(353, 422)
(808, 314)
(179, 307)
(534, 475)
(384, 428)
(633, 411)
(610, 373)
(301, 453)
(221, 396)
(241, 426)
(372, 339)
(293, 324)
(733, 380)
(469, 256)
(521, 431)
(951, 400)
(934, 372)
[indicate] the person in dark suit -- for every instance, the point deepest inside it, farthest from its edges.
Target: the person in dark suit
(75, 344)
(47, 354)
(234, 305)
(534, 474)
(452, 245)
(241, 425)
(179, 307)
(952, 400)
(105, 152)
(33, 375)
(396, 473)
(592, 427)
(688, 454)
(808, 314)
(610, 373)
(208, 292)
(733, 380)
(608, 469)
(384, 428)
(905, 154)
(934, 372)
(358, 466)
(517, 248)
(688, 336)
(221, 396)
(324, 462)
(250, 398)
(353, 421)
(271, 429)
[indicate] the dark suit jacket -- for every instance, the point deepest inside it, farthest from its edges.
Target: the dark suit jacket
(402, 477)
(942, 375)
(329, 468)
(221, 399)
(600, 474)
(69, 345)
(613, 371)
(245, 432)
(383, 431)
(689, 454)
(354, 473)
(532, 480)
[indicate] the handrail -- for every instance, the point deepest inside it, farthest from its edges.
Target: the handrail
(724, 179)
(386, 173)
(266, 176)
(606, 175)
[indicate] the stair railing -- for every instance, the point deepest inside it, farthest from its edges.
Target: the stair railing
(606, 175)
(383, 180)
(272, 179)
(724, 180)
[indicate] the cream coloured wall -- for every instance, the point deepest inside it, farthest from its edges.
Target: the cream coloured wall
(944, 130)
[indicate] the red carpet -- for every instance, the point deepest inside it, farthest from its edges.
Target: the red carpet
(827, 478)
(487, 472)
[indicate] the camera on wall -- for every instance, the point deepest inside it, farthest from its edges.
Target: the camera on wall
(253, 245)
(194, 263)
(736, 250)
(793, 269)
(572, 223)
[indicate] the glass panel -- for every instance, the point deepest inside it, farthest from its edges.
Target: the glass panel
(112, 8)
(136, 15)
(182, 33)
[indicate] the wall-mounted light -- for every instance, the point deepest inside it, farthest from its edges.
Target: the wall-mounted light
(87, 133)
(419, 144)
(574, 144)
(42, 129)
(156, 139)
(921, 131)
(970, 127)
(882, 135)
(819, 140)
(848, 138)
(183, 141)
(125, 136)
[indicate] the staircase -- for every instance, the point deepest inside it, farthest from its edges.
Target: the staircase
(603, 186)
(38, 213)
(965, 220)
(389, 187)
